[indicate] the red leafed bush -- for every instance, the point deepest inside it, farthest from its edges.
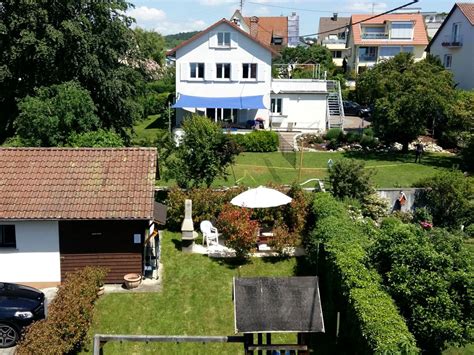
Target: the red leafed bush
(283, 239)
(239, 231)
(69, 316)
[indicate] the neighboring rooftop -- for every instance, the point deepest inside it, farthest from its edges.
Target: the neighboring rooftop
(277, 304)
(468, 10)
(77, 183)
(419, 31)
(265, 28)
(331, 26)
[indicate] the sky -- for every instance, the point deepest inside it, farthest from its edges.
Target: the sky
(173, 16)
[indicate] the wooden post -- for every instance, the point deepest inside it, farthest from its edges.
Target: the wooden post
(301, 161)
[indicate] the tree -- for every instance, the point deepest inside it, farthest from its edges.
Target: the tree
(49, 117)
(204, 154)
(151, 45)
(430, 277)
(45, 43)
(98, 139)
(314, 54)
(449, 197)
(408, 97)
(349, 179)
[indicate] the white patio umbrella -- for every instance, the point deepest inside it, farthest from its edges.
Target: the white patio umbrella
(261, 197)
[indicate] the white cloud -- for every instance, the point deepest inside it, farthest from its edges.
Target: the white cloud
(261, 11)
(366, 6)
(157, 20)
(147, 15)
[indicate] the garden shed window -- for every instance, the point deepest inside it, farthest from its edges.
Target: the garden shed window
(7, 236)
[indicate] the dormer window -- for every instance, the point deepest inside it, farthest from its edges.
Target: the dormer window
(223, 39)
(401, 30)
(277, 40)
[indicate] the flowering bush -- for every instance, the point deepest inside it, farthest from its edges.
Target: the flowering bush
(239, 231)
(283, 239)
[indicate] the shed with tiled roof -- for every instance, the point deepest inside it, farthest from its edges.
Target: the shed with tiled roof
(65, 208)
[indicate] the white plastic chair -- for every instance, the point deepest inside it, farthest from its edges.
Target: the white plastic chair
(210, 234)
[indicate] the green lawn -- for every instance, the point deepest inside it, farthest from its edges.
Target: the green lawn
(146, 130)
(196, 300)
(392, 169)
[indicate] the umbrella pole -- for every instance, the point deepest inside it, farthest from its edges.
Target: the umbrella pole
(301, 161)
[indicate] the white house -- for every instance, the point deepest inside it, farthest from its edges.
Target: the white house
(454, 44)
(226, 74)
(65, 208)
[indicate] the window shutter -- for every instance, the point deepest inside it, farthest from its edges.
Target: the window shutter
(212, 39)
(235, 71)
(184, 74)
(261, 72)
(209, 71)
(233, 39)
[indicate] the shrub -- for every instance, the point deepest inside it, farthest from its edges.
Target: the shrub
(283, 239)
(98, 139)
(335, 133)
(258, 141)
(430, 276)
(239, 230)
(374, 206)
(296, 212)
(368, 141)
(314, 139)
(353, 137)
(422, 214)
(348, 178)
(69, 316)
(372, 322)
(448, 196)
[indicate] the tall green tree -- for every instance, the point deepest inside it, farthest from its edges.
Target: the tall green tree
(54, 113)
(43, 43)
(408, 97)
(151, 44)
(314, 54)
(203, 154)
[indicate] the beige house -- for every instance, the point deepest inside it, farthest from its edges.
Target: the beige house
(373, 40)
(333, 32)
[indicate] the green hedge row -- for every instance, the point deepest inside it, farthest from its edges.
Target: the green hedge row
(370, 320)
(69, 316)
(258, 141)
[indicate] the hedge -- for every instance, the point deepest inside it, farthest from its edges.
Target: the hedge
(258, 141)
(370, 320)
(69, 316)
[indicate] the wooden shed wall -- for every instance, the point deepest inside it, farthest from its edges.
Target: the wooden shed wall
(102, 243)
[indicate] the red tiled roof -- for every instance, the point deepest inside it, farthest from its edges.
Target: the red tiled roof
(420, 37)
(468, 10)
(70, 183)
(265, 27)
(210, 28)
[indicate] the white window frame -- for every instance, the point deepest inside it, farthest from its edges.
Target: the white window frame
(249, 71)
(276, 105)
(456, 32)
(224, 39)
(404, 23)
(222, 72)
(199, 70)
(448, 61)
(335, 54)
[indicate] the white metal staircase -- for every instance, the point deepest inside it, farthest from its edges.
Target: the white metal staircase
(335, 108)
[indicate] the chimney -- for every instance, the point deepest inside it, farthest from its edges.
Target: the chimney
(334, 16)
(254, 26)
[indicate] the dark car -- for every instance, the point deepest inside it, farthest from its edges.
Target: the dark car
(352, 108)
(19, 307)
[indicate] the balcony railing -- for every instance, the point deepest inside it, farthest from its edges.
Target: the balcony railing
(451, 41)
(372, 35)
(334, 41)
